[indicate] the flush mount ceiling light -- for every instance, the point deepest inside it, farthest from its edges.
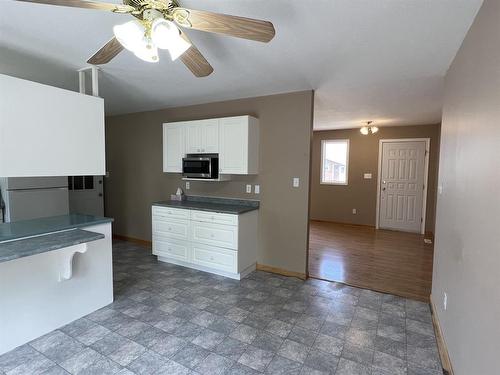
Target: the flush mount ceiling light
(158, 24)
(365, 130)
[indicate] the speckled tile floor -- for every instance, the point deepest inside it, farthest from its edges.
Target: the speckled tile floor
(172, 320)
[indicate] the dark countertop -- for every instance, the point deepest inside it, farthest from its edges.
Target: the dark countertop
(48, 242)
(213, 204)
(35, 227)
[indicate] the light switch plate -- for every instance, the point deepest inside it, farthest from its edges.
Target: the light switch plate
(257, 189)
(367, 176)
(296, 182)
(249, 189)
(188, 185)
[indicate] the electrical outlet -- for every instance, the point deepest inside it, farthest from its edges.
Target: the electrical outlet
(440, 189)
(296, 182)
(445, 301)
(257, 189)
(249, 189)
(354, 211)
(188, 185)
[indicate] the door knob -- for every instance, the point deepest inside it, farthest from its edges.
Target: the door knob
(383, 189)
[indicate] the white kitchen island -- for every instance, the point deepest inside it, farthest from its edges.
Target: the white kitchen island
(52, 271)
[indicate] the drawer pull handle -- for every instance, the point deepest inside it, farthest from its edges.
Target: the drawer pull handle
(211, 258)
(213, 218)
(212, 235)
(169, 228)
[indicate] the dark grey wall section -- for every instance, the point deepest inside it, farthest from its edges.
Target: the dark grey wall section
(335, 202)
(134, 161)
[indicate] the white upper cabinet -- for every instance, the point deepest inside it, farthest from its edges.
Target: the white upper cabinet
(48, 131)
(202, 137)
(235, 139)
(210, 136)
(239, 145)
(173, 147)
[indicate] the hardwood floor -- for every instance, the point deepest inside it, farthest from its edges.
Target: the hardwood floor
(387, 261)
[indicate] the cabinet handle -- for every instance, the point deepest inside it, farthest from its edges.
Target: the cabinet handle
(169, 228)
(198, 150)
(212, 235)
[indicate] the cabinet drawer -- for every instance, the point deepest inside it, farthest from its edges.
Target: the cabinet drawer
(215, 234)
(173, 213)
(214, 257)
(214, 217)
(171, 249)
(170, 228)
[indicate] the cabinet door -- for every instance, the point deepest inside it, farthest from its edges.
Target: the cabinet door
(233, 142)
(194, 137)
(173, 147)
(210, 136)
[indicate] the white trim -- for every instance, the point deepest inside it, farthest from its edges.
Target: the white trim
(323, 141)
(426, 175)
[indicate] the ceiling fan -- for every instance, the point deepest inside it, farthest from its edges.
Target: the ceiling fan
(156, 25)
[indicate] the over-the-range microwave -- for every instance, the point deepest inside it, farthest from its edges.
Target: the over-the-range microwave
(203, 166)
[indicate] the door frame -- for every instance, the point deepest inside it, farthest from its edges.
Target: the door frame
(426, 175)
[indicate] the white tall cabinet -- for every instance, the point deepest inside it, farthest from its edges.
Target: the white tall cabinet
(235, 139)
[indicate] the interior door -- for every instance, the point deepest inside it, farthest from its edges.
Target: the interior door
(86, 195)
(402, 185)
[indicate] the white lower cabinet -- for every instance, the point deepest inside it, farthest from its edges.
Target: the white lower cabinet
(215, 257)
(223, 244)
(170, 248)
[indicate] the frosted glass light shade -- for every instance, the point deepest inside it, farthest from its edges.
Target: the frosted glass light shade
(147, 52)
(130, 34)
(166, 35)
(364, 130)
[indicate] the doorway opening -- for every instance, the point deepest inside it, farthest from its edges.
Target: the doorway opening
(372, 208)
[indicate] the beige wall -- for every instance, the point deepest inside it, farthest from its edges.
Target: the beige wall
(335, 202)
(467, 249)
(134, 161)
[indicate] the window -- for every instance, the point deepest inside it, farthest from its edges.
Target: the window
(334, 161)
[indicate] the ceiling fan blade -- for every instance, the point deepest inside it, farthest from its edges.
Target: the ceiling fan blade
(106, 53)
(195, 61)
(119, 8)
(240, 27)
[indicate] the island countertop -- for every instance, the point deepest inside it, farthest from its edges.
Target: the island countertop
(213, 204)
(36, 227)
(16, 249)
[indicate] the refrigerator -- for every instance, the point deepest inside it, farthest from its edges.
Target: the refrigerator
(24, 198)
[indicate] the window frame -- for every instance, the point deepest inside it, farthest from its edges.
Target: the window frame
(323, 143)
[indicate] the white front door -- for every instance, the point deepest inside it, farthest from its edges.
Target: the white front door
(86, 195)
(402, 179)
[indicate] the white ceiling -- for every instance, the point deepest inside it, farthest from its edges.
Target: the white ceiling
(381, 60)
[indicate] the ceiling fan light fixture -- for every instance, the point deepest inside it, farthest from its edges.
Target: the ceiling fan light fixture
(130, 34)
(147, 52)
(166, 35)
